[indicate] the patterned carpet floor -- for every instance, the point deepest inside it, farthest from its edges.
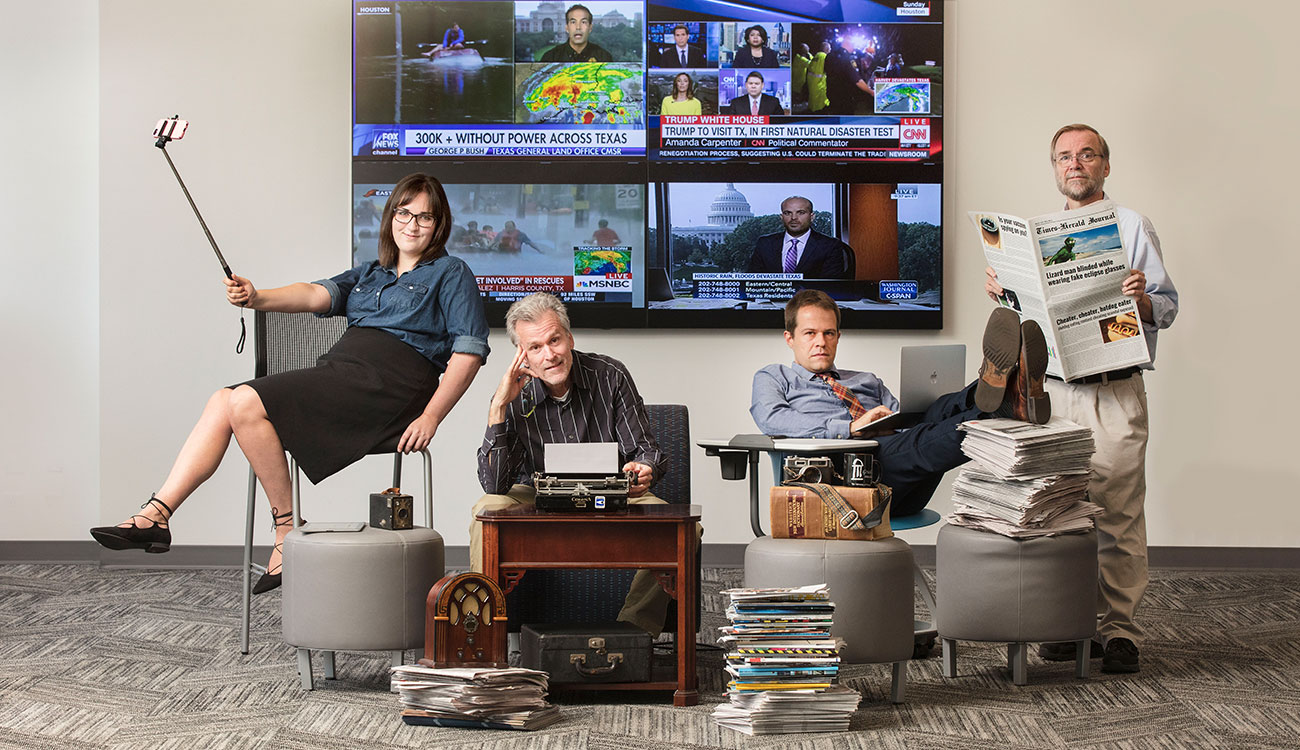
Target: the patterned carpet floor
(130, 658)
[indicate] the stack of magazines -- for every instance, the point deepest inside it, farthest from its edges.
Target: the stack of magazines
(475, 697)
(784, 663)
(1024, 480)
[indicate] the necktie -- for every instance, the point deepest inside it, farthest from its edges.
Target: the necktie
(683, 56)
(753, 106)
(791, 258)
(844, 394)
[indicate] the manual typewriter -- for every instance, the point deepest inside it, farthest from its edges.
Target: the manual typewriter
(582, 476)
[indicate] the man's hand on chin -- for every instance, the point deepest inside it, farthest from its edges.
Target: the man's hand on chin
(861, 427)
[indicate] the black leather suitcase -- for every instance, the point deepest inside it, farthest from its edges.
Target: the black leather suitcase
(592, 653)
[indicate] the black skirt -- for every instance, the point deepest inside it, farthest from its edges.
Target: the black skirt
(364, 392)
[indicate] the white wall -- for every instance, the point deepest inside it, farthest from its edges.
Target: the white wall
(1190, 96)
(49, 243)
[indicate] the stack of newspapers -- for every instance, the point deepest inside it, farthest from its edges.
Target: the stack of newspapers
(1024, 480)
(783, 663)
(475, 697)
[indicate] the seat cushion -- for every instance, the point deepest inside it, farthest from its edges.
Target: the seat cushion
(994, 588)
(359, 591)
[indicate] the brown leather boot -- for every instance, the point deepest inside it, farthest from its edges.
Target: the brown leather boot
(1001, 352)
(1031, 402)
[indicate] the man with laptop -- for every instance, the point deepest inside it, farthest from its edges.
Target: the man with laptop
(812, 398)
(553, 394)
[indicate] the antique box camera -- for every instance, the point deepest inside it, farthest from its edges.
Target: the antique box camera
(390, 510)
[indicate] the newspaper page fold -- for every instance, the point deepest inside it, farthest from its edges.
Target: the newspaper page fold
(1064, 270)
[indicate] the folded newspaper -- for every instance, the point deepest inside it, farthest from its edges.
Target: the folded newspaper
(1024, 480)
(1011, 449)
(471, 697)
(1064, 270)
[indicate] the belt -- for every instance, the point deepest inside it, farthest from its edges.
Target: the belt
(1105, 377)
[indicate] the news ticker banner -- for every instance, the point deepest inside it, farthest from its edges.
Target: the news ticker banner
(764, 137)
(779, 286)
(488, 140)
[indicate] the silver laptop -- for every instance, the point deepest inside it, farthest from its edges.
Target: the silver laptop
(925, 374)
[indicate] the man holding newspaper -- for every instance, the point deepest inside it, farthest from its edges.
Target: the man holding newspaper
(1095, 371)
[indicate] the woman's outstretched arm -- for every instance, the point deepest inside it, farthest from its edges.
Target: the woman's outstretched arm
(299, 297)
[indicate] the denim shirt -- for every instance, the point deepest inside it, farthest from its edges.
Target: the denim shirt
(435, 307)
(792, 402)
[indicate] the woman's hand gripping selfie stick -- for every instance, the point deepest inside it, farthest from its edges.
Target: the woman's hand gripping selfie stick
(173, 129)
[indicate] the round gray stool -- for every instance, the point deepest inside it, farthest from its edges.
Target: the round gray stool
(357, 591)
(1016, 591)
(870, 583)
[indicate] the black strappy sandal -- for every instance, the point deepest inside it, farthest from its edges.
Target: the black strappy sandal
(271, 581)
(155, 538)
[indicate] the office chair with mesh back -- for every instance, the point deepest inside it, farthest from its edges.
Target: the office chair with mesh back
(292, 341)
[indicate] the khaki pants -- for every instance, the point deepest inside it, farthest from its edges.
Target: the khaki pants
(646, 604)
(1117, 414)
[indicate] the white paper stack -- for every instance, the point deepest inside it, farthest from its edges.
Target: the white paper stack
(474, 697)
(1024, 480)
(783, 663)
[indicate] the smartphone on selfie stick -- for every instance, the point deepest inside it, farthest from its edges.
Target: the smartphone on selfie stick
(173, 129)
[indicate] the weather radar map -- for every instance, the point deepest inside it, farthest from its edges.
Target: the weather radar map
(591, 261)
(583, 94)
(905, 96)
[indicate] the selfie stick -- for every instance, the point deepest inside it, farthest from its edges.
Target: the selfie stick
(166, 131)
(161, 143)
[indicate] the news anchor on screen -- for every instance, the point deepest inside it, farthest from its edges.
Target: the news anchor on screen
(682, 100)
(755, 53)
(682, 54)
(799, 249)
(754, 101)
(578, 47)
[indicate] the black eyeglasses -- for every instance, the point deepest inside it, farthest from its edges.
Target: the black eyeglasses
(403, 216)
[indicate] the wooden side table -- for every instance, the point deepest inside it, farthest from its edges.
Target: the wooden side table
(659, 538)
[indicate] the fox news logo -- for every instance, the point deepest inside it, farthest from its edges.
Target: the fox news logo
(914, 8)
(914, 131)
(386, 143)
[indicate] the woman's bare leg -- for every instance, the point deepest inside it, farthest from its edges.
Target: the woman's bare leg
(237, 412)
(198, 459)
(261, 445)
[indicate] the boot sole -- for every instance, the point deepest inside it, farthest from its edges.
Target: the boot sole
(1001, 353)
(1034, 354)
(115, 542)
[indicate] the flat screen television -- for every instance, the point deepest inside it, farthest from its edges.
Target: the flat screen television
(634, 158)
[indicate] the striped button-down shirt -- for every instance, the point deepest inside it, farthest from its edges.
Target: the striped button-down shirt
(603, 406)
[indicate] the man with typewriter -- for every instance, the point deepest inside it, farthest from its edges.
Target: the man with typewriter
(552, 393)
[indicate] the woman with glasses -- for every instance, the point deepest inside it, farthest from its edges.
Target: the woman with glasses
(682, 100)
(414, 316)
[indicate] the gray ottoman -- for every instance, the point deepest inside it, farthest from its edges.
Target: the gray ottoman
(357, 591)
(870, 583)
(995, 588)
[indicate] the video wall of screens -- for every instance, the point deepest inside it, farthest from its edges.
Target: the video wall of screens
(650, 162)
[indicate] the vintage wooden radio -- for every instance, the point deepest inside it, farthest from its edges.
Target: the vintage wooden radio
(465, 622)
